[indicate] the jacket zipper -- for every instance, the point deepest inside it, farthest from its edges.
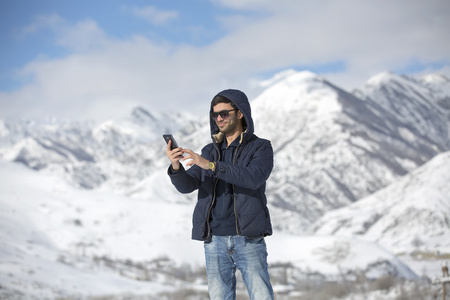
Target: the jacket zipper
(213, 199)
(214, 196)
(209, 209)
(234, 196)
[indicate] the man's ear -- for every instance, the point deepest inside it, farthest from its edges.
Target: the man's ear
(240, 115)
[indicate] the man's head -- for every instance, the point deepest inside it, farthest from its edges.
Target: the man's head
(227, 116)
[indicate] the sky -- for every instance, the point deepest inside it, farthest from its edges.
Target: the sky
(97, 60)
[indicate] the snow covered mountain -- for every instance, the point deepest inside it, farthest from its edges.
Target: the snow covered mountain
(410, 214)
(58, 241)
(113, 155)
(333, 148)
(420, 105)
(369, 163)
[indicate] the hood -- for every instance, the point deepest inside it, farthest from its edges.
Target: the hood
(241, 101)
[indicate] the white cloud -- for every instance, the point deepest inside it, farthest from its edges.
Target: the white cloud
(359, 32)
(83, 36)
(154, 15)
(104, 75)
(252, 5)
(40, 23)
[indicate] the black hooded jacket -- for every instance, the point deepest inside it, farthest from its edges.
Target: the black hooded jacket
(248, 174)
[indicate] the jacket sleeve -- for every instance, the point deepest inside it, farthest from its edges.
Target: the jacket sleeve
(254, 173)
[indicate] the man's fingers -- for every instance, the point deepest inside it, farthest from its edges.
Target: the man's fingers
(190, 154)
(187, 157)
(188, 151)
(168, 145)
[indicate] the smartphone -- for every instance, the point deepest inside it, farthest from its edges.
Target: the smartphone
(168, 137)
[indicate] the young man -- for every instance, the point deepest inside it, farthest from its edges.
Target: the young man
(231, 214)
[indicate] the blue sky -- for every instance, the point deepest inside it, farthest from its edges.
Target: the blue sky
(99, 59)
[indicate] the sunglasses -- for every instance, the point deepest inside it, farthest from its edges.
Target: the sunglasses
(224, 114)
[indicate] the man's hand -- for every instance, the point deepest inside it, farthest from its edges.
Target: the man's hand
(174, 156)
(196, 159)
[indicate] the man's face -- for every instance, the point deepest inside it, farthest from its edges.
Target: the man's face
(227, 125)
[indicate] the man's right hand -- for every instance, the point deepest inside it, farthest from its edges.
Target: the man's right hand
(174, 156)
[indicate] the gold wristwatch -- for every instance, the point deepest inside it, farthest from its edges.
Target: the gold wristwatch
(212, 166)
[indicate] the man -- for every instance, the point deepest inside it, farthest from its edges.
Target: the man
(231, 214)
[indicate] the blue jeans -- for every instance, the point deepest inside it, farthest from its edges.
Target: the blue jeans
(223, 254)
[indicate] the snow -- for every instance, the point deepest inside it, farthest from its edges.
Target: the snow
(52, 230)
(3, 130)
(280, 76)
(413, 101)
(107, 221)
(381, 78)
(414, 208)
(43, 220)
(327, 254)
(297, 91)
(368, 172)
(435, 79)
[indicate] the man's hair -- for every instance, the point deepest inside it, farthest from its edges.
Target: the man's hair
(221, 99)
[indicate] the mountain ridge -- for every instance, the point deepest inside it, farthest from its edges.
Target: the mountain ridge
(339, 139)
(364, 176)
(411, 213)
(331, 147)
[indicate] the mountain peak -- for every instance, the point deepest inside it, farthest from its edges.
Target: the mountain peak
(383, 78)
(297, 92)
(435, 78)
(141, 115)
(291, 76)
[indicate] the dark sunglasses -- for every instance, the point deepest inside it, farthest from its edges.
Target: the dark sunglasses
(224, 114)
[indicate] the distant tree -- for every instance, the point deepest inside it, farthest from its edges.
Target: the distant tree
(335, 254)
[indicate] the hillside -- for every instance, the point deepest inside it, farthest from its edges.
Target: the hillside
(365, 171)
(58, 241)
(409, 215)
(334, 148)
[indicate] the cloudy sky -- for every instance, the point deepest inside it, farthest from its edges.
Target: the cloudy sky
(98, 59)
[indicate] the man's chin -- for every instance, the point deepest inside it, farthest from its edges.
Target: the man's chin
(224, 130)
